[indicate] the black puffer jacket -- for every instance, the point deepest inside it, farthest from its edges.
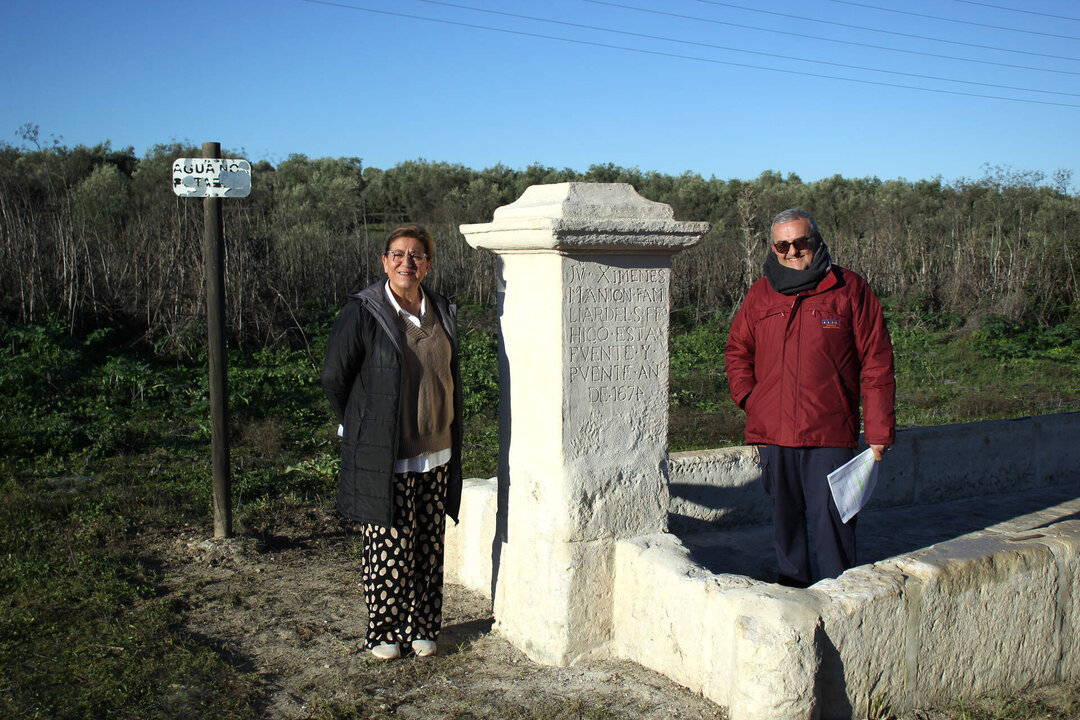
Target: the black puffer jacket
(361, 377)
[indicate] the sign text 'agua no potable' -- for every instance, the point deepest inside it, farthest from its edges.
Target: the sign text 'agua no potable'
(211, 177)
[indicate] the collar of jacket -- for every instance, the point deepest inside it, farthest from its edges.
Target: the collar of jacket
(374, 300)
(831, 280)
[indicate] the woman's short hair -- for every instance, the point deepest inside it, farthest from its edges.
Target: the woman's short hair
(793, 214)
(416, 232)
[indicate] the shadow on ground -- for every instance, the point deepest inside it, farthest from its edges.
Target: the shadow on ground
(886, 532)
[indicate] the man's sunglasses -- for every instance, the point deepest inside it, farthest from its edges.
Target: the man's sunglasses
(800, 244)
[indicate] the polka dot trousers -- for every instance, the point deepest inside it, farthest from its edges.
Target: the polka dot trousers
(403, 563)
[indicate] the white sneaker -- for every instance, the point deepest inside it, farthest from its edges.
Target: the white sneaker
(423, 648)
(387, 651)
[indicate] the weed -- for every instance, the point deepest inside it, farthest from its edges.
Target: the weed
(878, 707)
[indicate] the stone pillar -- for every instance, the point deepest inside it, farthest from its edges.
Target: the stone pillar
(584, 272)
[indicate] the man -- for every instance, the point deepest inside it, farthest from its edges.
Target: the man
(808, 336)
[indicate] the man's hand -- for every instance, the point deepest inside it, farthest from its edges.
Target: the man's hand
(879, 451)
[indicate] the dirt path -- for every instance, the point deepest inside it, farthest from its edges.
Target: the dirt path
(285, 604)
(288, 607)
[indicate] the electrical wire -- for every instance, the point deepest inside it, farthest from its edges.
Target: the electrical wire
(952, 20)
(1018, 10)
(780, 56)
(805, 36)
(591, 43)
(884, 32)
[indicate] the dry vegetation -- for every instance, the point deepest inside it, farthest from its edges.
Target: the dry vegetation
(98, 234)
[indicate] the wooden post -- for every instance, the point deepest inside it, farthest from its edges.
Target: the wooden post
(214, 269)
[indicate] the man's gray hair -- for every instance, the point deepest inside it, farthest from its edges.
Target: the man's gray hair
(792, 214)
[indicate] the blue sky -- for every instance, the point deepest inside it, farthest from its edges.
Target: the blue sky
(746, 88)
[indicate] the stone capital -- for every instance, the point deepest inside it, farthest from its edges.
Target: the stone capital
(579, 217)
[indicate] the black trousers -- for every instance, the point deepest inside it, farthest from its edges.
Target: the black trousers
(796, 479)
(403, 563)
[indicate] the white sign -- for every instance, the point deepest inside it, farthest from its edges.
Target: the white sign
(211, 177)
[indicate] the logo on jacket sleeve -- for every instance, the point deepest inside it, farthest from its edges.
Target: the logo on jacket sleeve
(830, 323)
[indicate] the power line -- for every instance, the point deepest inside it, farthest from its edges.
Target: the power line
(659, 53)
(780, 56)
(805, 36)
(952, 20)
(885, 32)
(1018, 10)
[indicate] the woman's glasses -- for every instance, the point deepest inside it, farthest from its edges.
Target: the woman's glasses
(800, 244)
(399, 255)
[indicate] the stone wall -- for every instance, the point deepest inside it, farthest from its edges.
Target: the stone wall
(994, 611)
(928, 626)
(714, 489)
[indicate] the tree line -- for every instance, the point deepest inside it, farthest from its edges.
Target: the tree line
(96, 236)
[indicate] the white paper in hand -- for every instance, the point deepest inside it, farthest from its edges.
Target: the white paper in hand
(852, 483)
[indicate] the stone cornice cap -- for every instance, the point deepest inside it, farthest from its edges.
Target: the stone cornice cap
(584, 217)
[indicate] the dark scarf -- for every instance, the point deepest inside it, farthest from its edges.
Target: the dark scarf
(786, 281)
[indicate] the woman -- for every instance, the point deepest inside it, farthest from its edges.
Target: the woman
(392, 377)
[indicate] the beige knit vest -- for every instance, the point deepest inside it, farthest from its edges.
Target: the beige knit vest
(427, 388)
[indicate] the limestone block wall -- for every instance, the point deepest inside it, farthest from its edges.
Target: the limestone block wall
(672, 620)
(992, 611)
(720, 488)
(713, 489)
(995, 610)
(470, 542)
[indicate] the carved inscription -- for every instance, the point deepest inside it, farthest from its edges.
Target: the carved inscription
(616, 331)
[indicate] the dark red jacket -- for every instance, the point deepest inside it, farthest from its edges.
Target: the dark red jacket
(795, 364)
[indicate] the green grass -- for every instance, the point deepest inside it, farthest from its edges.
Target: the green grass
(998, 371)
(944, 374)
(83, 633)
